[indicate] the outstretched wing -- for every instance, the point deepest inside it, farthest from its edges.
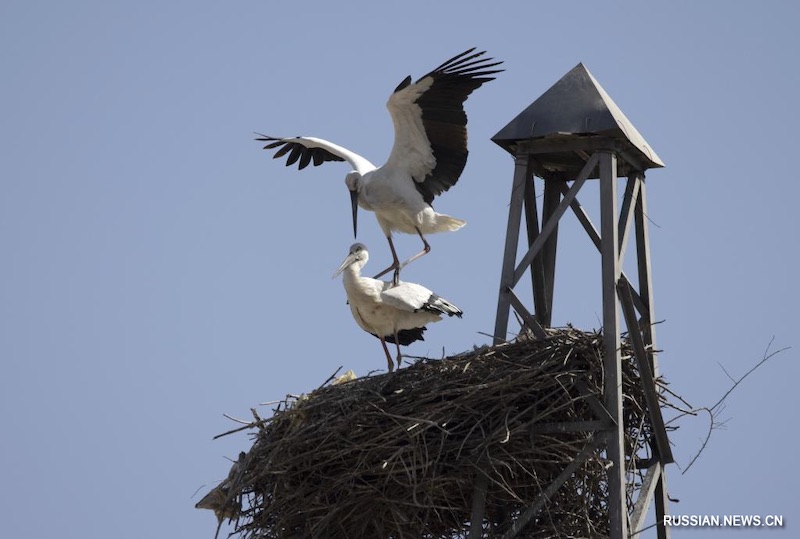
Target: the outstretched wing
(430, 125)
(311, 149)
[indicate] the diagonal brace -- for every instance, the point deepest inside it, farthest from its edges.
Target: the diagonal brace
(531, 512)
(551, 223)
(646, 375)
(628, 204)
(527, 317)
(583, 217)
(642, 504)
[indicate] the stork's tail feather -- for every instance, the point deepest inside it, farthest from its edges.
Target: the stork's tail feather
(447, 223)
(440, 305)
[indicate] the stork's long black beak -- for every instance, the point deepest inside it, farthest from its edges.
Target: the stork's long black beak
(354, 204)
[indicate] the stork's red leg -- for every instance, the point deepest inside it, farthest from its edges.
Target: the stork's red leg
(397, 344)
(388, 355)
(395, 263)
(425, 250)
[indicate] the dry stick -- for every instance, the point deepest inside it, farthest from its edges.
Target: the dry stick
(244, 427)
(718, 406)
(684, 411)
(331, 377)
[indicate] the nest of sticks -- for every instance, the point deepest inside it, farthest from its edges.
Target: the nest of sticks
(412, 454)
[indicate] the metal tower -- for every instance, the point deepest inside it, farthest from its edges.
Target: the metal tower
(572, 133)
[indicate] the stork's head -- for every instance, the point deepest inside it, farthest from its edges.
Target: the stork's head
(357, 257)
(353, 183)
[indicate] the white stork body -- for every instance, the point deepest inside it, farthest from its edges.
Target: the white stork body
(428, 156)
(398, 206)
(392, 312)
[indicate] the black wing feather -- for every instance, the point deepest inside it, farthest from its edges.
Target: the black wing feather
(319, 156)
(444, 118)
(283, 151)
(405, 336)
(406, 82)
(305, 158)
(297, 152)
(273, 145)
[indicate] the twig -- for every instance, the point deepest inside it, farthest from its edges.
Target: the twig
(233, 431)
(240, 421)
(714, 410)
(766, 357)
(331, 377)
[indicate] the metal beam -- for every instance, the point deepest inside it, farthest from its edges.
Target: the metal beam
(612, 362)
(628, 205)
(552, 198)
(522, 173)
(530, 513)
(594, 403)
(645, 496)
(584, 219)
(537, 272)
(662, 507)
(526, 316)
(478, 505)
(551, 224)
(645, 375)
(645, 275)
(565, 145)
(649, 331)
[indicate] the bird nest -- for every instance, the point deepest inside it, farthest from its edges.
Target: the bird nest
(423, 451)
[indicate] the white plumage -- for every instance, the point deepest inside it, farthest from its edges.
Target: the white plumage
(428, 156)
(392, 312)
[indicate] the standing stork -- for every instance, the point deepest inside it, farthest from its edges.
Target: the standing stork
(396, 313)
(428, 156)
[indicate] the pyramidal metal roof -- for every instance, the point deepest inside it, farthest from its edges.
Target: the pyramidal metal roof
(576, 107)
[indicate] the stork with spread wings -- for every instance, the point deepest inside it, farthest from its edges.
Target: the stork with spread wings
(428, 156)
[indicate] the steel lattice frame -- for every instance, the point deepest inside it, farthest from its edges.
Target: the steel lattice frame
(601, 156)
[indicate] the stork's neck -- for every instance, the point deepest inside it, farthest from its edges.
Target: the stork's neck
(355, 284)
(351, 274)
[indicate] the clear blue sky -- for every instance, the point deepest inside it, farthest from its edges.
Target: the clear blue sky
(159, 269)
